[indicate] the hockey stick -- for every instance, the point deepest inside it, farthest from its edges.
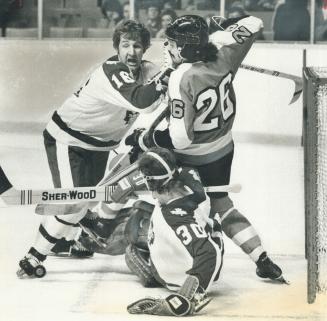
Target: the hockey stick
(108, 179)
(297, 80)
(13, 196)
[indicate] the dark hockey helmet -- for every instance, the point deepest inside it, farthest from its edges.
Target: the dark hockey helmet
(191, 34)
(158, 166)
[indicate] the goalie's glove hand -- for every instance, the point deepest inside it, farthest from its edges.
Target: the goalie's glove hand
(140, 138)
(174, 305)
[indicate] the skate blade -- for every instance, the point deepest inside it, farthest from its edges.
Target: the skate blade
(21, 274)
(204, 303)
(282, 280)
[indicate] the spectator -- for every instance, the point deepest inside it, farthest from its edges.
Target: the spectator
(169, 4)
(167, 17)
(8, 10)
(291, 21)
(320, 22)
(112, 11)
(259, 5)
(190, 6)
(208, 4)
(153, 20)
(127, 13)
(238, 11)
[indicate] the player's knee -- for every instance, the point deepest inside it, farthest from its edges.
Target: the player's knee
(234, 222)
(221, 205)
(136, 230)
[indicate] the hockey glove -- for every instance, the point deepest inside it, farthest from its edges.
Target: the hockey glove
(161, 79)
(189, 300)
(174, 305)
(140, 138)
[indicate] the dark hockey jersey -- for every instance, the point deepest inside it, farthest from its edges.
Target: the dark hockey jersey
(179, 239)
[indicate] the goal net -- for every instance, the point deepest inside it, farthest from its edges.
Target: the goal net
(315, 166)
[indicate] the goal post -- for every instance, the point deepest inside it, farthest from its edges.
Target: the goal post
(315, 178)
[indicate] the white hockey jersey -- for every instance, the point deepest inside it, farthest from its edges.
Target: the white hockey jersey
(99, 114)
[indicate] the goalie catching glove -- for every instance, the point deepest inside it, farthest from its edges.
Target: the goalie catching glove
(189, 300)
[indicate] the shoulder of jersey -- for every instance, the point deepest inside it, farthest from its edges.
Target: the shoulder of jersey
(111, 67)
(184, 73)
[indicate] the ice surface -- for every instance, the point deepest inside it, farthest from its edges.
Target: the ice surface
(100, 288)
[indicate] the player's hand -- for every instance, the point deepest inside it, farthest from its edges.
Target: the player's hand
(140, 138)
(133, 138)
(134, 154)
(161, 79)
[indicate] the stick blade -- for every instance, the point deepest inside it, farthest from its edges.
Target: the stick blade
(60, 209)
(297, 92)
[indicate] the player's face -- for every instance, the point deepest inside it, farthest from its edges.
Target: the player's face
(174, 52)
(130, 52)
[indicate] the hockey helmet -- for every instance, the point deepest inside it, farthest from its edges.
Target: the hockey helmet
(191, 34)
(158, 166)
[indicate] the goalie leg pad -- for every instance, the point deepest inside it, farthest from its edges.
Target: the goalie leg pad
(137, 226)
(136, 260)
(189, 287)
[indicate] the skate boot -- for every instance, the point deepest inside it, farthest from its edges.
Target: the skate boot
(267, 269)
(73, 249)
(79, 251)
(30, 266)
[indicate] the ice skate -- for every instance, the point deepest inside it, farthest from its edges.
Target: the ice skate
(31, 267)
(267, 269)
(73, 249)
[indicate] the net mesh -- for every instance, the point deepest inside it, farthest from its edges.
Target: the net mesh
(321, 237)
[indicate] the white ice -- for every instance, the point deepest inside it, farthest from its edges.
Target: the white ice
(100, 288)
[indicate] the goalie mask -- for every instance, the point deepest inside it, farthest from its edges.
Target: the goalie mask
(191, 34)
(158, 166)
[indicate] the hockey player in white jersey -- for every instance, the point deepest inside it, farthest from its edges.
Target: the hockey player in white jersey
(202, 110)
(90, 123)
(185, 245)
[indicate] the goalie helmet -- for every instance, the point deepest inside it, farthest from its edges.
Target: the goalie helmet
(158, 166)
(191, 34)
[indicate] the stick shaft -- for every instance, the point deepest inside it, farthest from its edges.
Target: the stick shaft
(80, 194)
(297, 80)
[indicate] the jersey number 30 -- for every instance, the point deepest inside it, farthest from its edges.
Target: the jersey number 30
(208, 100)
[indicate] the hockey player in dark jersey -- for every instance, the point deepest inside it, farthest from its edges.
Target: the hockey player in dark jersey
(185, 244)
(202, 110)
(90, 123)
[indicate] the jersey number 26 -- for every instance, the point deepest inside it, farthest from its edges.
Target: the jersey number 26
(208, 99)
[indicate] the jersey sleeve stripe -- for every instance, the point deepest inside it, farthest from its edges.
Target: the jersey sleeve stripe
(80, 136)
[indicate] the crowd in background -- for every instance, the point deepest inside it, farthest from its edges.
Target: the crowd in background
(288, 20)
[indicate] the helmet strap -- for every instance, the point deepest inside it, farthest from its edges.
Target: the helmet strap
(170, 172)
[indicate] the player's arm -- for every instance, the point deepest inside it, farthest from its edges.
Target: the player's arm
(197, 242)
(235, 37)
(123, 90)
(191, 181)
